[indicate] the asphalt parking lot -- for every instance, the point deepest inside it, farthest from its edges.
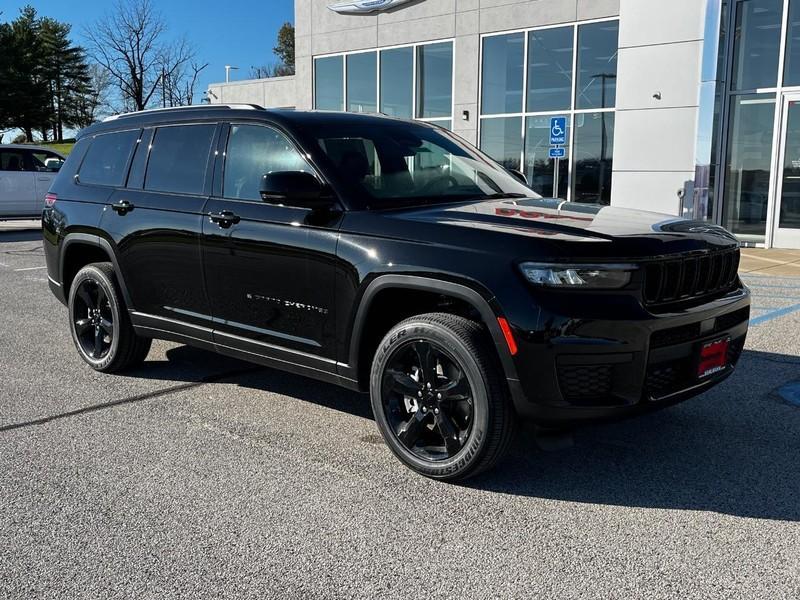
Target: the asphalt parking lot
(199, 476)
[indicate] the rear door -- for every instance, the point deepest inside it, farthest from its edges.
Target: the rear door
(269, 269)
(45, 167)
(156, 222)
(17, 186)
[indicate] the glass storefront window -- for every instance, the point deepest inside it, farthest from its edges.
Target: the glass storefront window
(503, 63)
(501, 138)
(446, 123)
(584, 174)
(362, 94)
(328, 83)
(791, 71)
(397, 82)
(550, 69)
(367, 84)
(597, 65)
(435, 80)
(789, 217)
(539, 167)
(593, 157)
(757, 45)
(747, 170)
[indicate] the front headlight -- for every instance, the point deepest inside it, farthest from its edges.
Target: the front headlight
(596, 277)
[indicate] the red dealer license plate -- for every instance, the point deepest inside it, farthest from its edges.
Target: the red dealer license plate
(713, 357)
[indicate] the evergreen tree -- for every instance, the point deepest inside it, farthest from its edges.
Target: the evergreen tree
(43, 76)
(25, 92)
(7, 50)
(66, 72)
(285, 48)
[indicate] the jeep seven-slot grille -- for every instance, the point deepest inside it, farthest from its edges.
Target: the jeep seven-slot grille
(683, 279)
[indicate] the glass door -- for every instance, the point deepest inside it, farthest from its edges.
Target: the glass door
(786, 214)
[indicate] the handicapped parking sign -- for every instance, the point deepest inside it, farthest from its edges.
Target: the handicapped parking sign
(557, 152)
(558, 131)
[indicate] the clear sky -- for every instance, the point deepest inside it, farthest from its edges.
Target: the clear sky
(224, 32)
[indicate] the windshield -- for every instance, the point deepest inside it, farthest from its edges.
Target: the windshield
(389, 163)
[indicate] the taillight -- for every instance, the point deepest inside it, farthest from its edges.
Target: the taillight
(50, 200)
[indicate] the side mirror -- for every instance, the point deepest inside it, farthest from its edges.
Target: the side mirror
(53, 165)
(294, 188)
(518, 175)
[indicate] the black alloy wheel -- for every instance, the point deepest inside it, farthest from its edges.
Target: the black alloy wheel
(427, 400)
(93, 319)
(99, 322)
(439, 398)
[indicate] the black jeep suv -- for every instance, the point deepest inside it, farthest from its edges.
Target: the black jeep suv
(387, 256)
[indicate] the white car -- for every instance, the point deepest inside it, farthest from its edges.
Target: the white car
(26, 173)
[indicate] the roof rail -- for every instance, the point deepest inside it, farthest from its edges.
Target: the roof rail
(182, 108)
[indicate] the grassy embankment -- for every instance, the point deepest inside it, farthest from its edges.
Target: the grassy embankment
(62, 148)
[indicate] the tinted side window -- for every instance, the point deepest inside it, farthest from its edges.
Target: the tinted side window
(107, 159)
(252, 152)
(12, 160)
(178, 159)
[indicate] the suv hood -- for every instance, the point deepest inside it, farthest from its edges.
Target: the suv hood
(558, 221)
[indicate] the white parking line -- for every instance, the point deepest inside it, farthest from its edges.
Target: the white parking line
(29, 269)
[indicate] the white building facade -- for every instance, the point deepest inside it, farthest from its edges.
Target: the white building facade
(683, 107)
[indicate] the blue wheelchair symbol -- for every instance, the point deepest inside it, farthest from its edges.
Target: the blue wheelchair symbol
(558, 131)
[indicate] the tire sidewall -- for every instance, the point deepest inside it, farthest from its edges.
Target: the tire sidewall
(469, 456)
(93, 273)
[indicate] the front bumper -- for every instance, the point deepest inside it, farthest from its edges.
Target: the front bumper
(572, 369)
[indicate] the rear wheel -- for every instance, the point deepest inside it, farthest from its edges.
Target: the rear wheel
(99, 322)
(439, 399)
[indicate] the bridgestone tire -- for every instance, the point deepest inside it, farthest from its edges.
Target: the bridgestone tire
(127, 349)
(493, 421)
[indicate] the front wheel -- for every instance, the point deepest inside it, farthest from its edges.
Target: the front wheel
(99, 322)
(438, 397)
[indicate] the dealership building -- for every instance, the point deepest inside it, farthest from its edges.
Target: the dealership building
(683, 106)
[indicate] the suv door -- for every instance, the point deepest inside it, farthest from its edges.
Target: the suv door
(156, 222)
(17, 187)
(269, 269)
(43, 174)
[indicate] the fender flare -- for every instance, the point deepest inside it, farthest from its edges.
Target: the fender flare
(439, 286)
(101, 243)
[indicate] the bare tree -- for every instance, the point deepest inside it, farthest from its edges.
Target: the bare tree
(129, 43)
(273, 70)
(95, 101)
(178, 79)
(190, 82)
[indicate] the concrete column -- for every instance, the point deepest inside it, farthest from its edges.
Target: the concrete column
(467, 66)
(658, 98)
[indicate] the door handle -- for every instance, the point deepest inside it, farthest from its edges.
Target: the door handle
(224, 219)
(122, 207)
(45, 179)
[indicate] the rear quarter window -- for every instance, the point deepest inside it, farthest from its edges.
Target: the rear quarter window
(178, 159)
(106, 161)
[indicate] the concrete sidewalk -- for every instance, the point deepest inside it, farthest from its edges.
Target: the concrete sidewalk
(779, 263)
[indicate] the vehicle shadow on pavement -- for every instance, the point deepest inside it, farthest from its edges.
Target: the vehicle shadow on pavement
(188, 364)
(734, 450)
